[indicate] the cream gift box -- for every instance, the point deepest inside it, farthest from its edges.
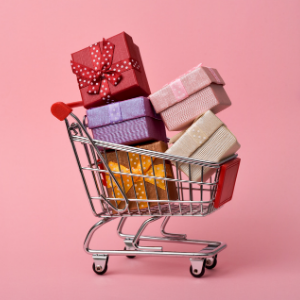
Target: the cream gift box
(180, 102)
(207, 139)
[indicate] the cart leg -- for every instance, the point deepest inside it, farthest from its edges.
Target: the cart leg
(162, 229)
(91, 232)
(139, 233)
(170, 235)
(129, 238)
(120, 227)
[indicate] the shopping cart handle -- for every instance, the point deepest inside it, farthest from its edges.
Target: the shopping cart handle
(61, 110)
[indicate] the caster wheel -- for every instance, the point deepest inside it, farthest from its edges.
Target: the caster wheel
(129, 256)
(98, 270)
(211, 262)
(198, 273)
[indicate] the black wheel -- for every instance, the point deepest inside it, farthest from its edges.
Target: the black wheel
(198, 273)
(211, 262)
(99, 270)
(129, 256)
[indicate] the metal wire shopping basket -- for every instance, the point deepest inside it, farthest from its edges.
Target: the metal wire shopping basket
(194, 198)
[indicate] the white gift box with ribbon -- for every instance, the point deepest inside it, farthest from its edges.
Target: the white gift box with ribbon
(206, 139)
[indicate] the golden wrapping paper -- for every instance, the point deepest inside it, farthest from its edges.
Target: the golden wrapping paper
(141, 188)
(207, 139)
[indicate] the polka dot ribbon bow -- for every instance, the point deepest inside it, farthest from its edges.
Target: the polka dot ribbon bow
(103, 70)
(137, 181)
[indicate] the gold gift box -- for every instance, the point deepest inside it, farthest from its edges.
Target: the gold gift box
(134, 186)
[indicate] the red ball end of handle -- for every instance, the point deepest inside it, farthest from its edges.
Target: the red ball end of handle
(60, 110)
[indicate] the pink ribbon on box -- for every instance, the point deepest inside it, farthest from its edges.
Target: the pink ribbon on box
(177, 87)
(179, 90)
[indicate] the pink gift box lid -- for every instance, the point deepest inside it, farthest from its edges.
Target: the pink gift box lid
(189, 83)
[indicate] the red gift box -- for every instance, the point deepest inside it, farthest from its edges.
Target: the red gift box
(110, 71)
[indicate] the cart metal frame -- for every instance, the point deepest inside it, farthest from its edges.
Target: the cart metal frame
(195, 199)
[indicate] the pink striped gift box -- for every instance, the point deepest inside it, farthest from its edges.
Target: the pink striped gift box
(183, 100)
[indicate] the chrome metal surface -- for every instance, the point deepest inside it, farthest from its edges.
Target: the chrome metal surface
(195, 198)
(172, 235)
(131, 240)
(139, 233)
(100, 262)
(128, 244)
(91, 232)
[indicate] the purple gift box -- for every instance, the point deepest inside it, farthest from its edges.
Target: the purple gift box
(128, 122)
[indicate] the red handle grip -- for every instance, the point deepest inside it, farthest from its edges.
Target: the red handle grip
(61, 110)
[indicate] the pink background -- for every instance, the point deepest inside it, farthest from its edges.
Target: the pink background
(44, 210)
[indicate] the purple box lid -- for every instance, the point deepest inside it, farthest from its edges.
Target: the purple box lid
(120, 112)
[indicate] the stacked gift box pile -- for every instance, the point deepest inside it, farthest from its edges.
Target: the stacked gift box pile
(122, 110)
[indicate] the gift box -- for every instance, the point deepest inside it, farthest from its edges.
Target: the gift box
(110, 71)
(207, 139)
(128, 122)
(183, 100)
(134, 186)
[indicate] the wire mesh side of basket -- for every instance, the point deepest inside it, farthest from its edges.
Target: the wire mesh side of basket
(193, 197)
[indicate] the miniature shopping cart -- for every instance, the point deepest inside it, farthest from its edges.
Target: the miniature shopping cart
(195, 198)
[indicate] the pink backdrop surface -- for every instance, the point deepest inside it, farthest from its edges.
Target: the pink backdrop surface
(45, 214)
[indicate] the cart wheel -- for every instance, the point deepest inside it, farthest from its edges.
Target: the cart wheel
(197, 273)
(129, 256)
(100, 271)
(211, 262)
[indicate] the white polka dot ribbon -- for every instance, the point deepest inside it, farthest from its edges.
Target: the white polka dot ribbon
(178, 90)
(128, 181)
(198, 135)
(103, 70)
